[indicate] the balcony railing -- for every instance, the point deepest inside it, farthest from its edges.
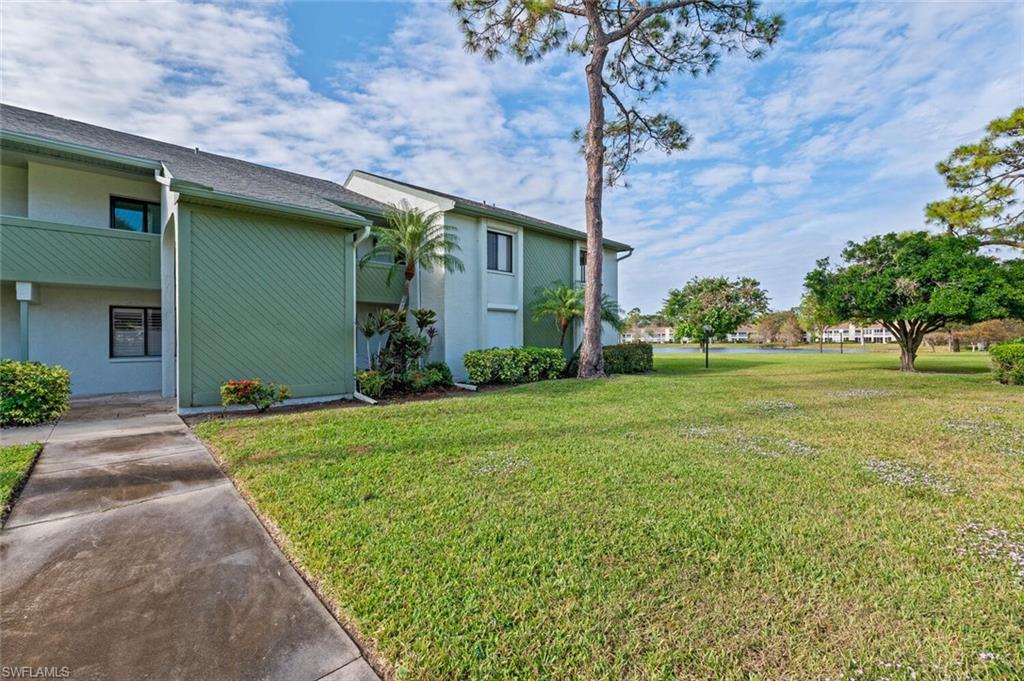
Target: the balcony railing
(372, 284)
(50, 253)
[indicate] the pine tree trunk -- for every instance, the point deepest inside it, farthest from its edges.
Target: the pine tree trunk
(591, 358)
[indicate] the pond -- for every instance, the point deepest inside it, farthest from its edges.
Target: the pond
(753, 349)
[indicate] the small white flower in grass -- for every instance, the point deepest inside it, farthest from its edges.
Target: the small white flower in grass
(699, 431)
(993, 543)
(759, 445)
(909, 476)
(866, 393)
(502, 465)
(986, 657)
(771, 406)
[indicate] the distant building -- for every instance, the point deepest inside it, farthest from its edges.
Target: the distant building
(848, 332)
(648, 334)
(744, 334)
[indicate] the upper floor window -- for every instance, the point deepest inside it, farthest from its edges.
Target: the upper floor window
(499, 252)
(134, 215)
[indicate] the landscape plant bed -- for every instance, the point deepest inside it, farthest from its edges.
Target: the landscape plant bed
(662, 526)
(16, 463)
(338, 404)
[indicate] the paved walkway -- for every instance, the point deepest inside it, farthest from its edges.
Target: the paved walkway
(129, 555)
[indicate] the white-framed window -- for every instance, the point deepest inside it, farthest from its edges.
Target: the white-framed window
(135, 331)
(583, 264)
(499, 252)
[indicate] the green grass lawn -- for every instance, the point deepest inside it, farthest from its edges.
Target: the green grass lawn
(794, 516)
(14, 464)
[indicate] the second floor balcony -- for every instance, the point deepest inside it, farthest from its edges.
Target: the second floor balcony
(52, 253)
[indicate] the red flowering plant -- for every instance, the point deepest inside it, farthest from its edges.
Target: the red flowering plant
(253, 392)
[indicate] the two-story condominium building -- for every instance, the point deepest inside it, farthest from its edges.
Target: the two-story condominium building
(856, 333)
(648, 334)
(744, 334)
(141, 265)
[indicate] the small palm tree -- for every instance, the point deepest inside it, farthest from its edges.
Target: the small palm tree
(564, 304)
(417, 239)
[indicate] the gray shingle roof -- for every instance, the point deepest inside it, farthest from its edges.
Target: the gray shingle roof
(221, 173)
(509, 215)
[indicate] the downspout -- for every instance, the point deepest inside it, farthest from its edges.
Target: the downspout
(359, 237)
(617, 261)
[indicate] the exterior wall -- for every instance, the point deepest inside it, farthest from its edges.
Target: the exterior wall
(70, 326)
(462, 309)
(610, 285)
(504, 291)
(10, 322)
(263, 297)
(546, 260)
(13, 191)
(81, 197)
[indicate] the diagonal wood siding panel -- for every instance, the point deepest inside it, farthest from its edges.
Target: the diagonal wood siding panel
(546, 260)
(372, 284)
(268, 300)
(49, 253)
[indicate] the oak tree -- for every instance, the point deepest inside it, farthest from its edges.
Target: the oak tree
(719, 304)
(915, 283)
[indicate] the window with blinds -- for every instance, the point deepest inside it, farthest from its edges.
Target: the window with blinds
(135, 331)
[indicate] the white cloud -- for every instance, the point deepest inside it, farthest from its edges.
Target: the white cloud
(719, 179)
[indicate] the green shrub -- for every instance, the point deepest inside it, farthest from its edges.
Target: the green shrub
(253, 392)
(31, 392)
(513, 365)
(1008, 362)
(440, 375)
(371, 383)
(625, 358)
(628, 358)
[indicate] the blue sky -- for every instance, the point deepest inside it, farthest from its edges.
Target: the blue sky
(832, 137)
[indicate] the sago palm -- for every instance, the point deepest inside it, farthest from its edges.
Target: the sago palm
(564, 304)
(417, 239)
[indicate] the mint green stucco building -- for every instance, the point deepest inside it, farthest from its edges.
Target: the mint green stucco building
(145, 266)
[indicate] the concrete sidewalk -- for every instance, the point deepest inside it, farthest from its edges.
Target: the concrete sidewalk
(129, 555)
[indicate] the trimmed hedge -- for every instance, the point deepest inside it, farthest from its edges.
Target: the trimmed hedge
(32, 392)
(513, 365)
(628, 358)
(624, 358)
(1008, 363)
